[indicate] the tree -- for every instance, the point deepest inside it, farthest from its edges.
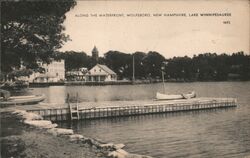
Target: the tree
(180, 68)
(240, 63)
(75, 60)
(19, 73)
(153, 63)
(120, 63)
(31, 30)
(139, 64)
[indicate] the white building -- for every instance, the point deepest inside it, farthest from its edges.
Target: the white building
(53, 72)
(77, 75)
(101, 73)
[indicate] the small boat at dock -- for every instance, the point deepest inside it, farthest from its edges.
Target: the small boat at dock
(160, 96)
(21, 100)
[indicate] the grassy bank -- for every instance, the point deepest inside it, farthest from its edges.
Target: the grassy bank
(20, 140)
(25, 134)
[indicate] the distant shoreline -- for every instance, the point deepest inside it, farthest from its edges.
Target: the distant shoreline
(83, 83)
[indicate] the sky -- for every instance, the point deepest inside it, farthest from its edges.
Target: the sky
(168, 35)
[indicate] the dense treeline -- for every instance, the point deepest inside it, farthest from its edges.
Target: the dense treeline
(203, 67)
(210, 67)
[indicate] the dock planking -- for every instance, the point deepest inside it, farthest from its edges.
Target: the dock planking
(91, 110)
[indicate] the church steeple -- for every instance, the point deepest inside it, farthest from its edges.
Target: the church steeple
(95, 54)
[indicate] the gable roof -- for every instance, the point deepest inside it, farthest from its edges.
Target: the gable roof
(105, 68)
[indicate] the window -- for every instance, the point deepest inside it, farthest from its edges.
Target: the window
(102, 78)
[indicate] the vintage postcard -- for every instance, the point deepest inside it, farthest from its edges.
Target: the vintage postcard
(136, 78)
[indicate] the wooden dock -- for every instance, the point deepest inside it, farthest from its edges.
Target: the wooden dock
(92, 110)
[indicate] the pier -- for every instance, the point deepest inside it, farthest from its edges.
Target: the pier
(93, 110)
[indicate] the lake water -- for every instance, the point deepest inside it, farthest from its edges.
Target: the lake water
(211, 133)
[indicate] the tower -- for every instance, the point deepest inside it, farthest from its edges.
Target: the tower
(95, 55)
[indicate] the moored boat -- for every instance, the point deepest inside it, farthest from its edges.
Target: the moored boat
(160, 96)
(20, 100)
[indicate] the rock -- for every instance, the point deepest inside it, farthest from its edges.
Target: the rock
(111, 146)
(94, 142)
(94, 147)
(54, 125)
(106, 146)
(19, 112)
(27, 115)
(60, 131)
(91, 142)
(75, 137)
(100, 155)
(118, 154)
(119, 146)
(115, 154)
(32, 116)
(99, 140)
(87, 141)
(40, 123)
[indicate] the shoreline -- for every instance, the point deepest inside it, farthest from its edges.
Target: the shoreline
(36, 137)
(21, 140)
(137, 82)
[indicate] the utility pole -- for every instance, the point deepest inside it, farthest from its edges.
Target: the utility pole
(164, 64)
(163, 81)
(133, 79)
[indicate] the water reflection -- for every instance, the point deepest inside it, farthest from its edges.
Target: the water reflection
(146, 91)
(206, 133)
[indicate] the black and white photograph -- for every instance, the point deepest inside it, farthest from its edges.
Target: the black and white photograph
(125, 79)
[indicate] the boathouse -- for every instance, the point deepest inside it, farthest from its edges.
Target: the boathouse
(101, 73)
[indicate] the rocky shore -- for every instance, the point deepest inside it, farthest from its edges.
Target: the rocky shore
(27, 135)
